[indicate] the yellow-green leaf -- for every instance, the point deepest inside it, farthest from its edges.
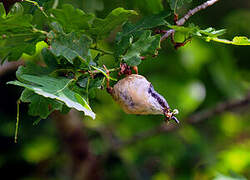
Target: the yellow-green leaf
(238, 40)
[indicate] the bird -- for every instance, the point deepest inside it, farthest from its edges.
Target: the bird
(136, 95)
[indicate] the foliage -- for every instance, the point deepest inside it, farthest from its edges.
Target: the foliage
(72, 19)
(68, 73)
(210, 34)
(176, 4)
(72, 35)
(17, 31)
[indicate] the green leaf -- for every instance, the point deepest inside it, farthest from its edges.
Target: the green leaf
(17, 36)
(72, 19)
(55, 88)
(125, 39)
(241, 40)
(17, 9)
(149, 6)
(83, 81)
(49, 59)
(71, 46)
(145, 23)
(176, 4)
(102, 27)
(57, 28)
(32, 69)
(2, 10)
(210, 34)
(190, 29)
(145, 45)
(131, 32)
(233, 176)
(193, 30)
(238, 40)
(8, 4)
(39, 105)
(96, 82)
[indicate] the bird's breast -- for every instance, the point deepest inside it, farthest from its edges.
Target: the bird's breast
(134, 95)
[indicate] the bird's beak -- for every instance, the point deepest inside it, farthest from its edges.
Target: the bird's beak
(170, 116)
(175, 119)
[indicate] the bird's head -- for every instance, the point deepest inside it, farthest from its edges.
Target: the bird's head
(171, 115)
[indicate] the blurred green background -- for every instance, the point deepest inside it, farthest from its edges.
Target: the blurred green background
(195, 77)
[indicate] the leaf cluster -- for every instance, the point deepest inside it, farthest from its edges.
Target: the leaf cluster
(65, 80)
(72, 72)
(209, 34)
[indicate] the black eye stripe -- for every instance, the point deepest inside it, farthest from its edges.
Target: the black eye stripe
(158, 97)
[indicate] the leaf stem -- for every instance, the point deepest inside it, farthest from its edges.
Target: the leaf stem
(190, 13)
(39, 7)
(104, 73)
(66, 85)
(40, 31)
(17, 119)
(175, 6)
(56, 2)
(97, 71)
(102, 51)
(81, 71)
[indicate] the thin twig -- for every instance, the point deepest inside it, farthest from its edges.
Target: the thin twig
(39, 7)
(17, 120)
(56, 2)
(167, 34)
(190, 13)
(195, 118)
(103, 51)
(220, 108)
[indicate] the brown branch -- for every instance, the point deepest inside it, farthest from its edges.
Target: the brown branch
(85, 165)
(220, 108)
(190, 13)
(167, 34)
(195, 118)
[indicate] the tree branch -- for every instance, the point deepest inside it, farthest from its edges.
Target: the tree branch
(85, 165)
(190, 13)
(167, 34)
(219, 109)
(195, 118)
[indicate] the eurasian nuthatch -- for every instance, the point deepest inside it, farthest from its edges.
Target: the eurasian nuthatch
(137, 96)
